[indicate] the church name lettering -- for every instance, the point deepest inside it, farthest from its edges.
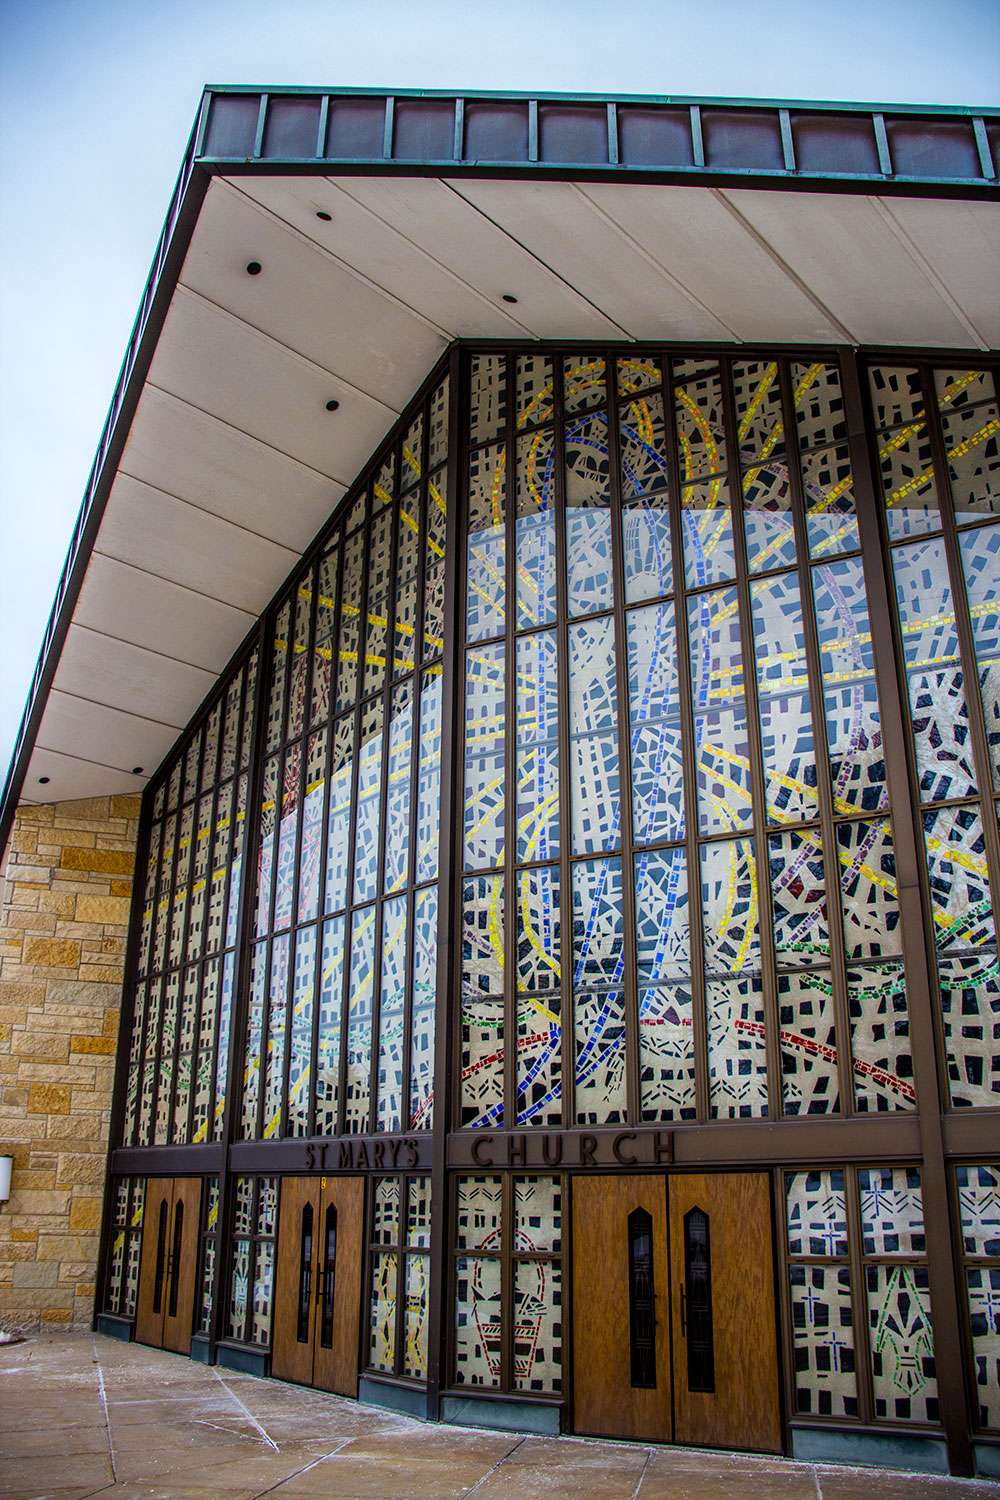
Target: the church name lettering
(605, 1148)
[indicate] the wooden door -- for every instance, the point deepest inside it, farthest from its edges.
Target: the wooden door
(621, 1370)
(296, 1279)
(722, 1300)
(338, 1286)
(151, 1298)
(182, 1265)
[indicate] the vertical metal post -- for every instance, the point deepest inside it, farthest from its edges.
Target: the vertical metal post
(448, 999)
(915, 926)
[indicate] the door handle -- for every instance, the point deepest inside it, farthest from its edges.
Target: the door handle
(683, 1310)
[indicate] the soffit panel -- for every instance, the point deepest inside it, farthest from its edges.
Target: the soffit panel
(137, 606)
(187, 545)
(214, 361)
(960, 242)
(126, 676)
(390, 256)
(707, 247)
(175, 447)
(433, 214)
(307, 300)
(619, 272)
(71, 777)
(845, 251)
(91, 731)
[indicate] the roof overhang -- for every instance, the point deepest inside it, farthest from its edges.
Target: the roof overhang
(387, 226)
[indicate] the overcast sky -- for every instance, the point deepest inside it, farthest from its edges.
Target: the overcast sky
(97, 98)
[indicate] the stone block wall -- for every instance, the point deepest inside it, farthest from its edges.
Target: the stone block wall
(65, 889)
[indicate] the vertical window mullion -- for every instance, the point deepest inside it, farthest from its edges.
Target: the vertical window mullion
(383, 793)
(305, 736)
(510, 1008)
(234, 1040)
(567, 1023)
(758, 781)
(352, 843)
(324, 832)
(689, 750)
(630, 1008)
(200, 992)
(404, 1198)
(806, 571)
(281, 752)
(859, 1298)
(417, 678)
(506, 1283)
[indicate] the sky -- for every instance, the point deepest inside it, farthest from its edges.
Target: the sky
(97, 99)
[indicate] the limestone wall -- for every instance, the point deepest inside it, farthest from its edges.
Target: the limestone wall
(65, 887)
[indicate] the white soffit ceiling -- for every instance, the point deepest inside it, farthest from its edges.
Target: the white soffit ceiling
(233, 462)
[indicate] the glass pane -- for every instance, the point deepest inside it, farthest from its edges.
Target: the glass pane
(797, 887)
(823, 1340)
(700, 433)
(382, 1315)
(709, 549)
(485, 713)
(981, 565)
(654, 713)
(598, 968)
(868, 889)
(880, 1039)
(425, 920)
(485, 602)
(737, 1056)
(331, 993)
(368, 813)
(847, 664)
(416, 1316)
(300, 1045)
(808, 1044)
(819, 405)
(359, 1021)
(983, 1291)
(477, 1321)
(593, 721)
(397, 797)
(783, 699)
(979, 1208)
(589, 584)
(816, 1213)
(429, 776)
(535, 529)
(666, 1053)
(538, 1326)
(722, 746)
(646, 532)
(338, 834)
(892, 1214)
(392, 1000)
(537, 733)
(537, 1214)
(902, 1344)
(487, 396)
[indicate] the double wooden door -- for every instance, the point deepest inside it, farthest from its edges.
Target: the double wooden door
(674, 1329)
(317, 1300)
(168, 1268)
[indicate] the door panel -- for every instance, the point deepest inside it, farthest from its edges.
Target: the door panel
(338, 1300)
(619, 1244)
(182, 1264)
(296, 1279)
(151, 1298)
(722, 1301)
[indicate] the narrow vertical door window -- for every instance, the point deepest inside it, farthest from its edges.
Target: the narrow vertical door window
(696, 1301)
(305, 1272)
(642, 1312)
(329, 1275)
(161, 1253)
(175, 1259)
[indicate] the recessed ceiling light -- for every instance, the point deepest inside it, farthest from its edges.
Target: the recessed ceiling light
(321, 213)
(254, 268)
(43, 781)
(332, 405)
(508, 297)
(136, 770)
